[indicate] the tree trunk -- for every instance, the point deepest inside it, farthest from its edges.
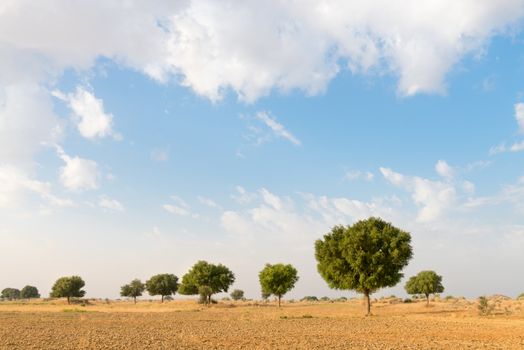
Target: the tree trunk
(135, 299)
(68, 301)
(162, 299)
(427, 300)
(279, 300)
(368, 302)
(209, 300)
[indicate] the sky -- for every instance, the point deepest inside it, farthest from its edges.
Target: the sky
(137, 138)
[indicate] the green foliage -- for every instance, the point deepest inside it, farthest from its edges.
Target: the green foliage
(206, 279)
(237, 294)
(521, 296)
(407, 301)
(325, 299)
(162, 284)
(425, 282)
(10, 294)
(364, 257)
(484, 307)
(278, 279)
(29, 292)
(265, 295)
(68, 287)
(133, 290)
(310, 298)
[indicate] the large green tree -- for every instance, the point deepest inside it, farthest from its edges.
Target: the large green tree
(133, 289)
(206, 279)
(364, 257)
(164, 284)
(425, 282)
(68, 287)
(10, 294)
(29, 292)
(277, 279)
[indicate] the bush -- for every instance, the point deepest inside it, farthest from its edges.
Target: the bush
(341, 299)
(309, 298)
(449, 297)
(484, 307)
(407, 301)
(237, 294)
(521, 297)
(325, 299)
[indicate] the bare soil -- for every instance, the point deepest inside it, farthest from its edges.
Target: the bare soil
(453, 324)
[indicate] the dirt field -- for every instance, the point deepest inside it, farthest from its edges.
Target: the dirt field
(318, 325)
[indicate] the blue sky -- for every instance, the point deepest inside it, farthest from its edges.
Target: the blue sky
(128, 152)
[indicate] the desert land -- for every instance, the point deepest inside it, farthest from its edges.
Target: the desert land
(453, 323)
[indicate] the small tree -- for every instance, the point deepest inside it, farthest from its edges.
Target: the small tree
(29, 292)
(484, 306)
(133, 290)
(278, 279)
(206, 279)
(426, 282)
(364, 257)
(237, 294)
(68, 287)
(10, 294)
(163, 284)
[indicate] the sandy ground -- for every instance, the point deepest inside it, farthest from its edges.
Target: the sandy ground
(452, 324)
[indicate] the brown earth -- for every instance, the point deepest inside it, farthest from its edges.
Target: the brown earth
(453, 324)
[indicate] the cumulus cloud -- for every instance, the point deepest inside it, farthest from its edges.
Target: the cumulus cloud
(90, 117)
(444, 170)
(208, 202)
(433, 197)
(78, 174)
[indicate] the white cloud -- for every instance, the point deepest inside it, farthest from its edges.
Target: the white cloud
(433, 197)
(90, 118)
(208, 202)
(180, 208)
(109, 203)
(271, 199)
(15, 185)
(353, 175)
(78, 174)
(242, 196)
(468, 187)
(519, 116)
(278, 129)
(444, 170)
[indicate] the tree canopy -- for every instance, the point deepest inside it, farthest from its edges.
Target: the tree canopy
(133, 289)
(216, 279)
(29, 292)
(68, 287)
(163, 284)
(10, 294)
(277, 279)
(425, 282)
(366, 256)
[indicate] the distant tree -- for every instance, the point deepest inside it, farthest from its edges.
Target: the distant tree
(163, 284)
(29, 292)
(133, 289)
(425, 282)
(366, 256)
(237, 294)
(68, 287)
(206, 279)
(10, 294)
(278, 279)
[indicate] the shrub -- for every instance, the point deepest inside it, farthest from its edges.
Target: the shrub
(484, 307)
(309, 298)
(237, 294)
(325, 299)
(521, 296)
(407, 301)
